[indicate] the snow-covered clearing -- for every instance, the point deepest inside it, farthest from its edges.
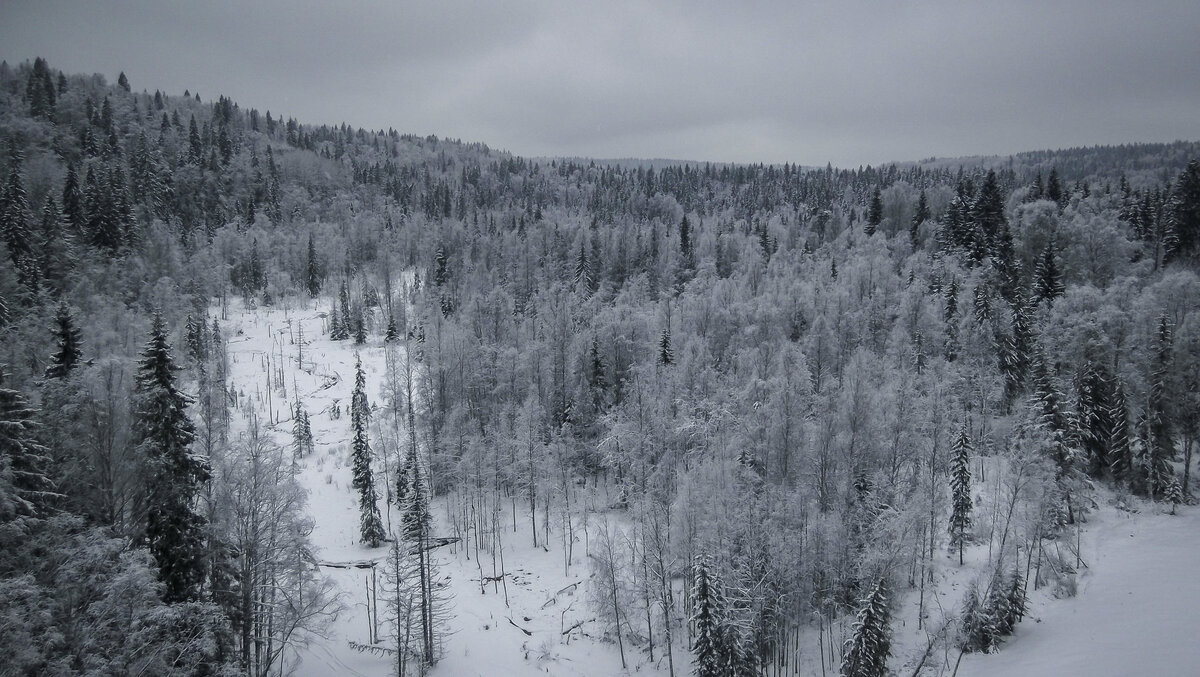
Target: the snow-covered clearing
(1137, 611)
(542, 599)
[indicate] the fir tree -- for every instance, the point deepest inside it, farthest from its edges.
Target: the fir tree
(709, 654)
(921, 216)
(1093, 416)
(982, 305)
(339, 329)
(874, 213)
(1120, 447)
(312, 270)
(685, 242)
(392, 334)
(72, 202)
(960, 489)
(950, 316)
(66, 336)
(416, 528)
(1048, 283)
(1184, 215)
(302, 438)
(1054, 187)
(1160, 442)
(666, 356)
(174, 531)
(24, 463)
(867, 650)
(370, 525)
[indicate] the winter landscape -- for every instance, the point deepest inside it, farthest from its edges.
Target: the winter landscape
(285, 396)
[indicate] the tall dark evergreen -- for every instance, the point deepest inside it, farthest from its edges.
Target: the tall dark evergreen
(1184, 215)
(25, 465)
(174, 475)
(1120, 445)
(72, 202)
(921, 216)
(14, 222)
(416, 528)
(339, 316)
(1093, 416)
(950, 317)
(666, 356)
(370, 525)
(1159, 428)
(1054, 189)
(960, 491)
(710, 655)
(66, 336)
(867, 650)
(1048, 277)
(988, 216)
(312, 270)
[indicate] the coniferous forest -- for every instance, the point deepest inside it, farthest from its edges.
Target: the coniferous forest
(745, 405)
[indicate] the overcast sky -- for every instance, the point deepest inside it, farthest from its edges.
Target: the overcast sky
(810, 82)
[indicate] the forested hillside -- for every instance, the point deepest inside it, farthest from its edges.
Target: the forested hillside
(795, 394)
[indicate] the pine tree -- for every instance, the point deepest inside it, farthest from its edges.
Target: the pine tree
(1160, 442)
(174, 531)
(312, 270)
(302, 438)
(1093, 416)
(66, 335)
(960, 489)
(416, 528)
(1120, 447)
(950, 317)
(339, 329)
(666, 356)
(874, 213)
(370, 525)
(1184, 215)
(708, 618)
(72, 202)
(24, 463)
(1048, 283)
(867, 650)
(921, 216)
(1054, 187)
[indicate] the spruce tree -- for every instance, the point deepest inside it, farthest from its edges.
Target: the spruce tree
(666, 356)
(1093, 416)
(312, 270)
(392, 334)
(1048, 283)
(708, 619)
(339, 317)
(950, 316)
(72, 202)
(921, 216)
(370, 525)
(416, 528)
(874, 213)
(302, 439)
(960, 489)
(867, 650)
(174, 476)
(1184, 214)
(66, 336)
(1160, 442)
(1120, 446)
(24, 463)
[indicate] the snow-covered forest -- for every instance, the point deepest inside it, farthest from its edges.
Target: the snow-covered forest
(281, 398)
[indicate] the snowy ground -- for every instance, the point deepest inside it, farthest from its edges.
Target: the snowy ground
(1137, 611)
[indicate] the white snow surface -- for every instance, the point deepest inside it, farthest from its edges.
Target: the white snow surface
(1137, 611)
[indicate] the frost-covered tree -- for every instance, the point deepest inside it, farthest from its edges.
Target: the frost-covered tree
(66, 336)
(960, 491)
(868, 648)
(710, 654)
(370, 524)
(174, 475)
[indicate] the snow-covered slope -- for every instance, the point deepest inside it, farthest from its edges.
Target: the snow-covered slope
(1137, 611)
